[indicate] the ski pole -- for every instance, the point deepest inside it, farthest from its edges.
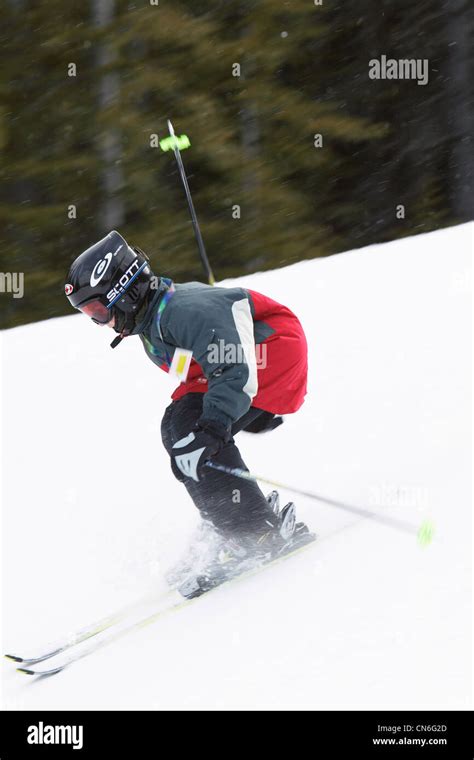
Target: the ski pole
(424, 533)
(176, 143)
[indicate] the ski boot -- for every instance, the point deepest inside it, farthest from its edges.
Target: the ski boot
(288, 534)
(233, 558)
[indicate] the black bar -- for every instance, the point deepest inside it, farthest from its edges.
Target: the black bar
(320, 735)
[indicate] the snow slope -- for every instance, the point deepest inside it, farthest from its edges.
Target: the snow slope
(367, 619)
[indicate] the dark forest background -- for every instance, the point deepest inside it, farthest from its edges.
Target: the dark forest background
(85, 140)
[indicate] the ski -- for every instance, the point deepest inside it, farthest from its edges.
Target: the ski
(177, 602)
(88, 631)
(79, 654)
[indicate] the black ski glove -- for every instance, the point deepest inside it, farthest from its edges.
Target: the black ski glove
(191, 452)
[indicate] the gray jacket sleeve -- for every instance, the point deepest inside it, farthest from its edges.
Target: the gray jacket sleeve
(216, 324)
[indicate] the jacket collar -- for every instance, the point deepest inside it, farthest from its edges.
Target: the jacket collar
(163, 285)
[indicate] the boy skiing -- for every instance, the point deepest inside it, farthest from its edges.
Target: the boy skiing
(217, 334)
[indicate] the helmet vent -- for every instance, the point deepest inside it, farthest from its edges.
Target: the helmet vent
(133, 292)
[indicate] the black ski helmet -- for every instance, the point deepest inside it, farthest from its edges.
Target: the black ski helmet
(110, 279)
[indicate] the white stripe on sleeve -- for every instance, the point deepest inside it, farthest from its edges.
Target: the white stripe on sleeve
(244, 325)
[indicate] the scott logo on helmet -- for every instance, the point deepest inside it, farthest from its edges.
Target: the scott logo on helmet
(101, 267)
(121, 285)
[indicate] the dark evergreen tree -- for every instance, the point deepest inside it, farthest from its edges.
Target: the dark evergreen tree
(295, 151)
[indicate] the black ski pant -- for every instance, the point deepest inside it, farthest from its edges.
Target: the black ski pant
(236, 507)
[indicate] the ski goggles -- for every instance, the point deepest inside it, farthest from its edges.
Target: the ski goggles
(96, 310)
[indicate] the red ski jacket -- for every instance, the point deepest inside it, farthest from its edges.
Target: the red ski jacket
(202, 318)
(282, 360)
